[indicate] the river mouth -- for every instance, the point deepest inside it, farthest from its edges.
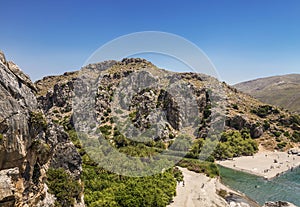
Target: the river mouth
(286, 187)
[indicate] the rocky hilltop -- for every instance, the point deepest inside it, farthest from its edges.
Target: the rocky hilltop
(282, 90)
(43, 162)
(266, 123)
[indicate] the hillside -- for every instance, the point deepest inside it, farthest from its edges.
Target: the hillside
(281, 91)
(142, 112)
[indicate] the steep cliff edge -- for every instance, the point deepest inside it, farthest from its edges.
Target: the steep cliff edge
(29, 143)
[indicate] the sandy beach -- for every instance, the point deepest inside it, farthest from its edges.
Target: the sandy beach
(199, 190)
(265, 164)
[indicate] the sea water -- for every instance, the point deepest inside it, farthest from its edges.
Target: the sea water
(286, 187)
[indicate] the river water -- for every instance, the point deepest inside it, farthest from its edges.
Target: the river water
(285, 187)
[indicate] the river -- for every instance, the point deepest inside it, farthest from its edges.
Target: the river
(285, 187)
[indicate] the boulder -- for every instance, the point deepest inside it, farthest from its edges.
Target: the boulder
(8, 185)
(278, 204)
(256, 131)
(237, 122)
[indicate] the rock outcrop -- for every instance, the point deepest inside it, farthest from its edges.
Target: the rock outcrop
(279, 204)
(29, 143)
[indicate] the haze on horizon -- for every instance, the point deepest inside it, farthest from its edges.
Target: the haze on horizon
(244, 39)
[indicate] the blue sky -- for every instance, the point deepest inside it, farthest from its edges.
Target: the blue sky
(244, 39)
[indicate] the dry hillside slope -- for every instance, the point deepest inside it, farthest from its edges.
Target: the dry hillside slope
(283, 91)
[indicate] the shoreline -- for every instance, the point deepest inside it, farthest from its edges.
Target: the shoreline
(264, 164)
(200, 190)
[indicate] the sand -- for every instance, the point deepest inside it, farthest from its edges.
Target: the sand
(264, 164)
(198, 190)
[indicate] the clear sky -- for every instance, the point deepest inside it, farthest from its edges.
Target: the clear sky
(245, 39)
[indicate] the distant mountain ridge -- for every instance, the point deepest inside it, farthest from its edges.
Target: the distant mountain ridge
(283, 91)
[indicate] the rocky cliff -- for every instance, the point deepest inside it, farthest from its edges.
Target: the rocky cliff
(268, 124)
(30, 143)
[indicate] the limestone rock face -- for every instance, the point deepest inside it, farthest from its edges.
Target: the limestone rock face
(8, 185)
(24, 78)
(2, 58)
(29, 143)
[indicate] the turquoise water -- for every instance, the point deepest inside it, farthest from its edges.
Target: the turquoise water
(285, 187)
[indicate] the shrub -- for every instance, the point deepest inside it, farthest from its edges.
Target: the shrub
(64, 187)
(222, 193)
(295, 136)
(182, 143)
(75, 139)
(287, 134)
(235, 106)
(105, 129)
(103, 188)
(121, 141)
(55, 111)
(262, 111)
(266, 125)
(234, 144)
(38, 121)
(207, 112)
(281, 145)
(132, 116)
(277, 133)
(208, 168)
(295, 119)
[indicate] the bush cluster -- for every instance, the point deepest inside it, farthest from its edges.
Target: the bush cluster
(63, 186)
(235, 144)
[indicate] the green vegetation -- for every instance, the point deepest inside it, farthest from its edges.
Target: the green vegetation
(74, 138)
(207, 111)
(263, 111)
(234, 143)
(287, 134)
(222, 193)
(132, 116)
(182, 143)
(38, 121)
(295, 119)
(195, 149)
(235, 106)
(63, 186)
(105, 130)
(295, 136)
(281, 145)
(140, 150)
(277, 133)
(208, 168)
(266, 125)
(103, 188)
